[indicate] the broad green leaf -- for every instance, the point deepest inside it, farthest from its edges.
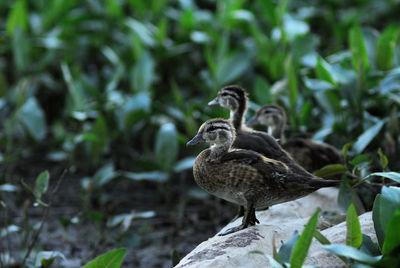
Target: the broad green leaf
(385, 205)
(18, 17)
(392, 239)
(365, 138)
(390, 175)
(285, 251)
(352, 253)
(143, 73)
(362, 158)
(156, 176)
(383, 158)
(368, 246)
(300, 250)
(42, 184)
(184, 164)
(316, 84)
(32, 117)
(329, 170)
(386, 47)
(166, 146)
(292, 83)
(353, 232)
(104, 175)
(347, 196)
(111, 259)
(359, 56)
(114, 8)
(232, 67)
(322, 70)
(142, 31)
(376, 218)
(261, 90)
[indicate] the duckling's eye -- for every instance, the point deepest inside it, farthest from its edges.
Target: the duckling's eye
(224, 94)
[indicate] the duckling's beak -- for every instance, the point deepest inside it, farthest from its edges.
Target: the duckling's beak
(252, 121)
(214, 102)
(196, 140)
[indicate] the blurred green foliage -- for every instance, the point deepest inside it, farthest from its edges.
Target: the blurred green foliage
(128, 80)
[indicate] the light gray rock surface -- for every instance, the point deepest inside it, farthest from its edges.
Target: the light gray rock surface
(238, 249)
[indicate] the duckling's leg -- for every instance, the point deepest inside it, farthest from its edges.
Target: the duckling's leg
(240, 213)
(248, 219)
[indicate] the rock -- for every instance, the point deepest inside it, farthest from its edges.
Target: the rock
(250, 247)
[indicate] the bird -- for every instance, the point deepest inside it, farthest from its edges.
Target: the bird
(245, 177)
(310, 154)
(234, 98)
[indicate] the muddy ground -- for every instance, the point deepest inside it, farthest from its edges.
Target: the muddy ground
(183, 217)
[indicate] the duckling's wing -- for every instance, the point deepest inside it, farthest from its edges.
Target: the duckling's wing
(242, 156)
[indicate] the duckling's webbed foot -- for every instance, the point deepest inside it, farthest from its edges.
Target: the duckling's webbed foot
(248, 219)
(240, 213)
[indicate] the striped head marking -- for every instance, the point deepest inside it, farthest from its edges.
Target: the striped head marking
(230, 97)
(216, 132)
(270, 115)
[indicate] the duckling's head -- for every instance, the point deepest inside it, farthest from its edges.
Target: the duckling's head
(231, 97)
(218, 132)
(271, 115)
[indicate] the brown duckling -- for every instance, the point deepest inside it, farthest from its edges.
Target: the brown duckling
(309, 154)
(235, 99)
(246, 177)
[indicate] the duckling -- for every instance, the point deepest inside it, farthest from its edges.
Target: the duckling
(235, 99)
(309, 154)
(245, 177)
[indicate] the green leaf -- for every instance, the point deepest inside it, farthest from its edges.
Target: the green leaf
(345, 149)
(352, 253)
(175, 257)
(385, 205)
(323, 72)
(300, 251)
(32, 117)
(383, 158)
(42, 184)
(143, 73)
(386, 47)
(390, 175)
(362, 158)
(111, 259)
(329, 170)
(166, 145)
(232, 67)
(359, 56)
(292, 83)
(365, 138)
(353, 234)
(104, 175)
(184, 164)
(347, 196)
(18, 17)
(156, 176)
(285, 251)
(392, 240)
(376, 218)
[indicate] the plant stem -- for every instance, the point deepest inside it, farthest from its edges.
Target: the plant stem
(44, 217)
